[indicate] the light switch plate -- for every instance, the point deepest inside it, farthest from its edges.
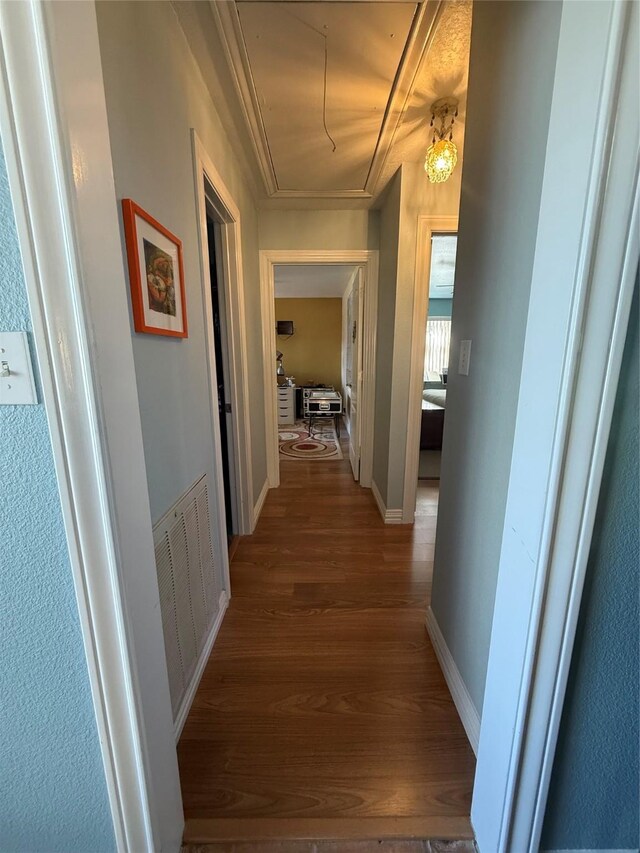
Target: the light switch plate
(465, 358)
(17, 387)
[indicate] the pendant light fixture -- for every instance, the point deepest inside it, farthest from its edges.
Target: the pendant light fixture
(442, 154)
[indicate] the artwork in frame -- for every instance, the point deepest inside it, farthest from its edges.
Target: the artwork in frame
(156, 274)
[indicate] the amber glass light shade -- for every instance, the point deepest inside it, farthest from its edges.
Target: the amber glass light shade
(442, 157)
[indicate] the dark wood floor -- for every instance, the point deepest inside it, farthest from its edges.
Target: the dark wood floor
(322, 711)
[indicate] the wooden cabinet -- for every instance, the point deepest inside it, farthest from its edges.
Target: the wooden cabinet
(286, 404)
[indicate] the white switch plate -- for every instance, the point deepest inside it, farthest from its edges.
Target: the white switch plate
(19, 387)
(465, 358)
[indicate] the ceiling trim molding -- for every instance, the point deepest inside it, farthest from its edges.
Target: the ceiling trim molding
(419, 40)
(321, 193)
(420, 36)
(227, 21)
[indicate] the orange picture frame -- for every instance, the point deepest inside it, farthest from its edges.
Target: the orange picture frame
(154, 258)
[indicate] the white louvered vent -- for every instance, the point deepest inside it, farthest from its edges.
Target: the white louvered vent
(189, 582)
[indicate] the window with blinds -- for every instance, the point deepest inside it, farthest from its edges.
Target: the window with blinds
(436, 355)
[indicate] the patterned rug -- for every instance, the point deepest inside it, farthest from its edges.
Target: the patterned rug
(295, 442)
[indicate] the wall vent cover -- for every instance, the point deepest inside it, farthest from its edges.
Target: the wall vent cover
(189, 583)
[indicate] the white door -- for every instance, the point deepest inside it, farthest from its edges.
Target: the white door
(354, 344)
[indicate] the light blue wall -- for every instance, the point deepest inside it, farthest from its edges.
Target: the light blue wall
(318, 229)
(150, 74)
(389, 228)
(52, 788)
(511, 45)
(593, 799)
(440, 307)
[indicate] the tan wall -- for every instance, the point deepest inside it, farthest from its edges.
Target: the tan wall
(315, 350)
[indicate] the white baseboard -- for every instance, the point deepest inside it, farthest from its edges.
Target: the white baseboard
(459, 693)
(260, 503)
(389, 516)
(581, 850)
(378, 498)
(189, 696)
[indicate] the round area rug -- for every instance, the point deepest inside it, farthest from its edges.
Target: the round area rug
(296, 443)
(303, 447)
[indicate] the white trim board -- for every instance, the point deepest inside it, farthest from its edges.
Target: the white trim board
(231, 230)
(190, 693)
(467, 711)
(427, 225)
(264, 491)
(367, 260)
(389, 516)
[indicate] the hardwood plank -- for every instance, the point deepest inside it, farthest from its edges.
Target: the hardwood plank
(322, 712)
(247, 829)
(233, 546)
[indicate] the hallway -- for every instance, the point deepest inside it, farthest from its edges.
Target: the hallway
(323, 699)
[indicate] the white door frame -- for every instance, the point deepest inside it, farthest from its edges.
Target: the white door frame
(57, 149)
(59, 163)
(585, 265)
(343, 361)
(355, 440)
(230, 228)
(368, 261)
(427, 226)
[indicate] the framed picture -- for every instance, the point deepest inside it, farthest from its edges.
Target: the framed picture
(156, 274)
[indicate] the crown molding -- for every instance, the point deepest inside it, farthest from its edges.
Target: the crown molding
(417, 46)
(420, 36)
(322, 194)
(227, 21)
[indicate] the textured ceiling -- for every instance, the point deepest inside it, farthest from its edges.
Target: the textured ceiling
(311, 280)
(443, 72)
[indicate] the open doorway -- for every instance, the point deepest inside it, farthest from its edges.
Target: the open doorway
(436, 367)
(223, 379)
(353, 382)
(433, 308)
(225, 337)
(318, 339)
